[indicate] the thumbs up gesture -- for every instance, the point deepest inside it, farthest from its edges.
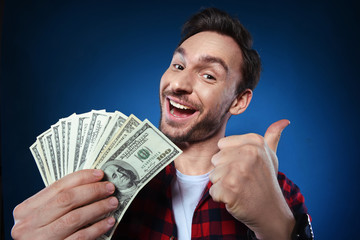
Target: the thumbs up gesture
(245, 180)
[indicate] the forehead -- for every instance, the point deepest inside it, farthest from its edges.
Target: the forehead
(213, 44)
(111, 168)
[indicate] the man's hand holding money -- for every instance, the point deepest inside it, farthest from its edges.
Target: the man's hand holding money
(73, 207)
(76, 203)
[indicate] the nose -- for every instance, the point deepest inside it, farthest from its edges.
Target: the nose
(182, 82)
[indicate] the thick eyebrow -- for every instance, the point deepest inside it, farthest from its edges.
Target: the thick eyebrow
(205, 58)
(211, 59)
(180, 51)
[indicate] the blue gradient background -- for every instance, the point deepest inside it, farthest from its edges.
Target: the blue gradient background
(61, 57)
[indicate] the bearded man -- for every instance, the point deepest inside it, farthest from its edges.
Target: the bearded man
(218, 188)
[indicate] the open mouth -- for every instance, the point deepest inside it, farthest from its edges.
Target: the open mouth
(179, 110)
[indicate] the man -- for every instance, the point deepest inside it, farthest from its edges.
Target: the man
(211, 77)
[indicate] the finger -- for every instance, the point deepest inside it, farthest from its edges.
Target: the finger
(217, 173)
(216, 158)
(242, 153)
(94, 231)
(273, 133)
(75, 179)
(239, 140)
(72, 198)
(80, 217)
(219, 194)
(215, 192)
(225, 154)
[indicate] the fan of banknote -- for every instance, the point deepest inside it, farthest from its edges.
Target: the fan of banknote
(130, 152)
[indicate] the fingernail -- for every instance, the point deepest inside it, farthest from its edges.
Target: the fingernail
(113, 201)
(110, 187)
(97, 172)
(111, 221)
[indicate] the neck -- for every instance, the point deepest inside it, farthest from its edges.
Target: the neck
(196, 156)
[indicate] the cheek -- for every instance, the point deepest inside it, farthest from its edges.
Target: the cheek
(216, 100)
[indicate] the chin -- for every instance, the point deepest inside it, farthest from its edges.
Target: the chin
(187, 132)
(192, 135)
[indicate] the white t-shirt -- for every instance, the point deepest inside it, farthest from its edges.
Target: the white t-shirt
(186, 193)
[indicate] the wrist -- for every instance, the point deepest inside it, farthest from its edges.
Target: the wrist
(302, 230)
(276, 227)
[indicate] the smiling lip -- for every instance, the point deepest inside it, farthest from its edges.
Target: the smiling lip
(179, 110)
(178, 105)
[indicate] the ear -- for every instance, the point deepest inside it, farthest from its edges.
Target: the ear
(241, 102)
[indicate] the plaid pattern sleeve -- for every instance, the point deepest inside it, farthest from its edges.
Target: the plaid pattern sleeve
(150, 216)
(292, 195)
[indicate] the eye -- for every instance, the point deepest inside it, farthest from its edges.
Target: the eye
(209, 77)
(178, 66)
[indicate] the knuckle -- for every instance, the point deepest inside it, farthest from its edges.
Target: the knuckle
(251, 150)
(226, 198)
(239, 171)
(258, 138)
(230, 182)
(236, 167)
(213, 194)
(72, 219)
(97, 188)
(56, 186)
(65, 199)
(91, 232)
(17, 211)
(19, 229)
(214, 159)
(16, 231)
(57, 226)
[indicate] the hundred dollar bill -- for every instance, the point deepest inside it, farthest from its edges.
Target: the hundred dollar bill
(130, 124)
(56, 140)
(97, 121)
(139, 157)
(47, 156)
(69, 122)
(78, 126)
(41, 163)
(50, 146)
(112, 127)
(100, 127)
(62, 133)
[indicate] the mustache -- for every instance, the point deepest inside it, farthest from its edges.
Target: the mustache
(182, 97)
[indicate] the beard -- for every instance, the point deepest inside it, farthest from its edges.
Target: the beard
(202, 130)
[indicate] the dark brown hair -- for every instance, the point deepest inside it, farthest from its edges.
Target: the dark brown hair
(212, 19)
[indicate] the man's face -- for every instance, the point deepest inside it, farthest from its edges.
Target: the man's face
(120, 178)
(198, 88)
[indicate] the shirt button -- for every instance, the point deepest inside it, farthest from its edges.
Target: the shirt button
(172, 238)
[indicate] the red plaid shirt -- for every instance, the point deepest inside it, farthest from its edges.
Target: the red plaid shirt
(150, 215)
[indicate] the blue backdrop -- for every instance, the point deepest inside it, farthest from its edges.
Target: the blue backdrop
(61, 57)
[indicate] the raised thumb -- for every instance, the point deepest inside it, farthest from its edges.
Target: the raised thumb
(273, 133)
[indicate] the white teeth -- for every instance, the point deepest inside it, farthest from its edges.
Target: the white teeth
(178, 105)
